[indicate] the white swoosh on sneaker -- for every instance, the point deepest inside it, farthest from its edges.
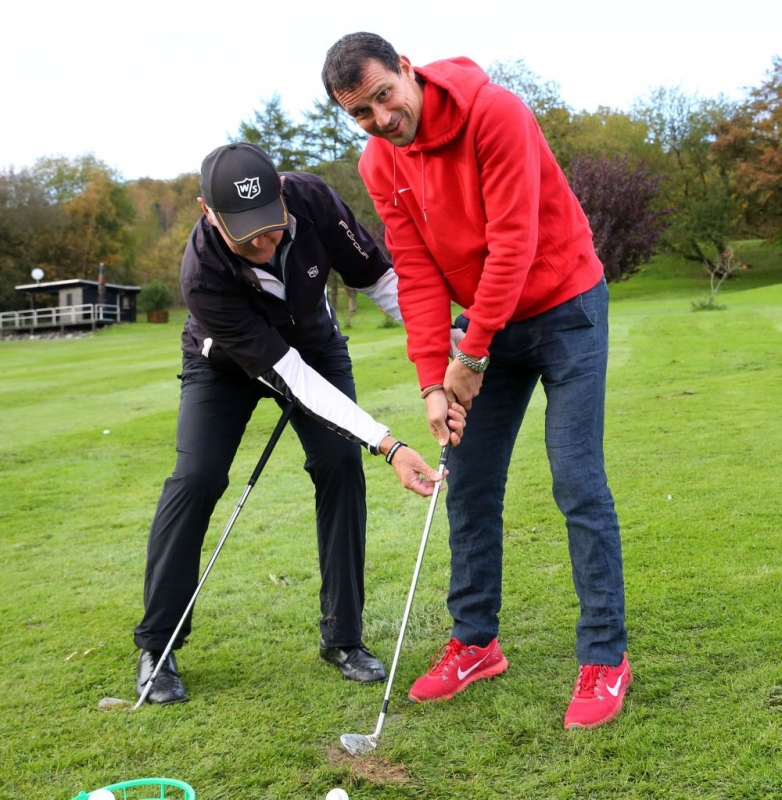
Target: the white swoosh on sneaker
(615, 688)
(463, 675)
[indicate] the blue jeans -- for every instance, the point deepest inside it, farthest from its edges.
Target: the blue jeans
(566, 348)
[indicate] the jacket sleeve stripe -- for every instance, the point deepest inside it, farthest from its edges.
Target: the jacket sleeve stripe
(312, 393)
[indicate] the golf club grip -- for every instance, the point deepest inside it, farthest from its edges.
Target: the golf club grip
(275, 435)
(444, 453)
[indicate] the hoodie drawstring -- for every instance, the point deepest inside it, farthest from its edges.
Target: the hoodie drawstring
(423, 183)
(423, 188)
(393, 181)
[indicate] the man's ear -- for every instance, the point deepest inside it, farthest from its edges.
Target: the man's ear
(406, 68)
(207, 211)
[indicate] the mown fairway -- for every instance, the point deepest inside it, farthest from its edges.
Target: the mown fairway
(694, 449)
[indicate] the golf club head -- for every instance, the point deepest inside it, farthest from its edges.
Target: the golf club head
(113, 703)
(357, 744)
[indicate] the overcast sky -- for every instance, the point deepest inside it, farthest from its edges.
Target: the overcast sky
(150, 88)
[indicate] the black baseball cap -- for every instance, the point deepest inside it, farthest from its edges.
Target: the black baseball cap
(240, 183)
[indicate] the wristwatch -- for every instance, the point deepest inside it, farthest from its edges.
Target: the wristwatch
(475, 364)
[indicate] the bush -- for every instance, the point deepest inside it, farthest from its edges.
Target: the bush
(620, 201)
(707, 304)
(155, 296)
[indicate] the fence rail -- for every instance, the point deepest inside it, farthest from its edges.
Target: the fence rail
(92, 314)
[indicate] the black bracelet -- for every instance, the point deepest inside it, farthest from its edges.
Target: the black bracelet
(394, 447)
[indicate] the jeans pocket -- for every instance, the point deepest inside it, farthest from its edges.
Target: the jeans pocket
(593, 303)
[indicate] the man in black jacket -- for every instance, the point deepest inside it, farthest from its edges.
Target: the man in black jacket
(254, 279)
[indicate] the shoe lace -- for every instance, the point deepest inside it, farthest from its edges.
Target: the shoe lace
(588, 677)
(445, 656)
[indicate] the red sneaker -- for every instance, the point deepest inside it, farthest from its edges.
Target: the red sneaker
(599, 693)
(456, 669)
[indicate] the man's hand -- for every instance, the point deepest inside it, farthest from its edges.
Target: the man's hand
(462, 384)
(411, 469)
(414, 473)
(446, 420)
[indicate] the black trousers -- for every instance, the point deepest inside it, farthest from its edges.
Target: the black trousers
(215, 407)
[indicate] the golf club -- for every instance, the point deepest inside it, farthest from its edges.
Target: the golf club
(356, 743)
(109, 703)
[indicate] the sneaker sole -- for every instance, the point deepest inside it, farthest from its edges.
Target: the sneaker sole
(576, 726)
(490, 672)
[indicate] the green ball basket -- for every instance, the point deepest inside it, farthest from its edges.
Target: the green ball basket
(147, 789)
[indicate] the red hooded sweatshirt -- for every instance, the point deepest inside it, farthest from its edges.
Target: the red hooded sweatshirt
(477, 212)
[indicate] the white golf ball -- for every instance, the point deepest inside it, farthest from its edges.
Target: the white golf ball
(337, 794)
(104, 433)
(101, 794)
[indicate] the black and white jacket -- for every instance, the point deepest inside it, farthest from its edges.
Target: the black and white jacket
(270, 320)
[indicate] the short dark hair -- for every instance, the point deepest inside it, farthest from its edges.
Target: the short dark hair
(347, 58)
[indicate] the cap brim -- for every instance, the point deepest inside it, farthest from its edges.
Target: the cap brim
(243, 226)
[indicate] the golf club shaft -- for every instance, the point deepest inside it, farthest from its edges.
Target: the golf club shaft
(267, 451)
(427, 526)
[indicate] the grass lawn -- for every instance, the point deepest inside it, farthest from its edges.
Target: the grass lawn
(694, 451)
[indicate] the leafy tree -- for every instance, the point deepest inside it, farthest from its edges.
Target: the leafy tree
(95, 213)
(64, 179)
(166, 213)
(25, 211)
(99, 220)
(162, 260)
(749, 147)
(606, 132)
(683, 127)
(329, 135)
(272, 128)
(619, 199)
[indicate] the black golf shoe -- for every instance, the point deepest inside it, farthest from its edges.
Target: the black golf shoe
(355, 663)
(168, 687)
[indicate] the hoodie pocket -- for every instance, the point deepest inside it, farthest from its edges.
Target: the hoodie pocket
(464, 281)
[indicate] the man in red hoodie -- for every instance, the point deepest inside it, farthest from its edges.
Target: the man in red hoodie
(479, 213)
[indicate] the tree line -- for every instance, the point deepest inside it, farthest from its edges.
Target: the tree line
(676, 172)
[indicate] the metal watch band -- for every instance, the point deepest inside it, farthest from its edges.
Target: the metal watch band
(475, 364)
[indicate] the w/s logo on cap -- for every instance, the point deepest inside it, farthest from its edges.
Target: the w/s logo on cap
(248, 188)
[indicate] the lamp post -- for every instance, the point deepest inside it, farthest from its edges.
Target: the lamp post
(102, 284)
(101, 306)
(36, 275)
